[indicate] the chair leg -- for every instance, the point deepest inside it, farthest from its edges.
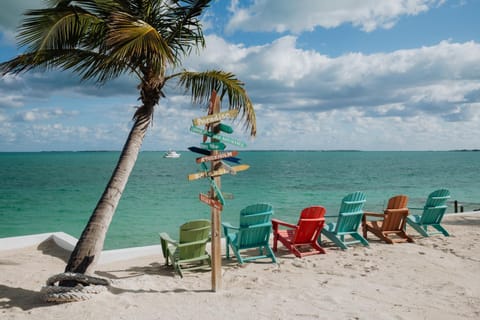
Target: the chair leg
(364, 231)
(336, 240)
(228, 248)
(418, 228)
(362, 240)
(275, 239)
(318, 248)
(237, 254)
(271, 254)
(442, 230)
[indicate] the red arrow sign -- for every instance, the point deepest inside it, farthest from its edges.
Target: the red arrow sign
(217, 156)
(211, 202)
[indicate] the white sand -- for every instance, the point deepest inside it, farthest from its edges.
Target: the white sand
(434, 278)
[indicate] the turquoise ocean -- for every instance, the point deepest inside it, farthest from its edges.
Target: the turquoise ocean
(57, 191)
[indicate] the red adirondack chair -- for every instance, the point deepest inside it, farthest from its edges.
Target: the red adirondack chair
(301, 239)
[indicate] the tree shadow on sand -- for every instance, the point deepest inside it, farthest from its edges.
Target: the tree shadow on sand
(21, 298)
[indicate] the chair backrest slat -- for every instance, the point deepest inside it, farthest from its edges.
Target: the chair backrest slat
(351, 212)
(255, 225)
(309, 224)
(395, 219)
(192, 231)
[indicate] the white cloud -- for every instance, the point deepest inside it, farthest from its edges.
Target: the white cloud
(37, 114)
(306, 15)
(10, 101)
(411, 99)
(419, 95)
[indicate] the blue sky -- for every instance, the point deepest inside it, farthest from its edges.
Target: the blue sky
(323, 75)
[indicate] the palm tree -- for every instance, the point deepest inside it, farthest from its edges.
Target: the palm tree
(103, 39)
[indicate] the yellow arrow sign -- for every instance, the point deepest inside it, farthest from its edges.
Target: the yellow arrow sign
(215, 117)
(218, 172)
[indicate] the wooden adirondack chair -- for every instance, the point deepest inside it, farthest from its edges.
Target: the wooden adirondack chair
(390, 223)
(301, 239)
(190, 251)
(349, 219)
(432, 215)
(253, 232)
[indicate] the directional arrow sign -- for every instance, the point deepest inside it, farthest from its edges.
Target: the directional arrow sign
(208, 152)
(217, 191)
(218, 172)
(199, 130)
(215, 117)
(225, 128)
(228, 168)
(217, 156)
(214, 145)
(211, 202)
(229, 140)
(217, 136)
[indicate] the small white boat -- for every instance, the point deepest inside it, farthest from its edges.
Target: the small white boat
(171, 154)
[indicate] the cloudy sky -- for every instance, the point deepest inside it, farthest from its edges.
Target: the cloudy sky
(323, 75)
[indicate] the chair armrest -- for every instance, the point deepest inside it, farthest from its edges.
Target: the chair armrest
(165, 237)
(227, 225)
(415, 208)
(276, 223)
(373, 215)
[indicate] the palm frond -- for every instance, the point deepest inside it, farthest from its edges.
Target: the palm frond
(201, 84)
(57, 28)
(90, 65)
(133, 40)
(181, 26)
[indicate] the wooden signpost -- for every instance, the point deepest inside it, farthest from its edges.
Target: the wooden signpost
(212, 153)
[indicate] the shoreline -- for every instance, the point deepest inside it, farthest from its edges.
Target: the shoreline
(433, 278)
(67, 242)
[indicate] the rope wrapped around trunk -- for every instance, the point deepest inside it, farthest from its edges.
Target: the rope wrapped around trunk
(85, 289)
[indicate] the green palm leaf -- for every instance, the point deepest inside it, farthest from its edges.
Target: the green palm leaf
(201, 84)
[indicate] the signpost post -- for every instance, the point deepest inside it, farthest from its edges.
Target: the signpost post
(215, 198)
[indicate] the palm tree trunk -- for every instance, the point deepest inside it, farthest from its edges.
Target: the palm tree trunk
(90, 245)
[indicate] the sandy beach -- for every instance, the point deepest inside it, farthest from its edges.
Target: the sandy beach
(433, 278)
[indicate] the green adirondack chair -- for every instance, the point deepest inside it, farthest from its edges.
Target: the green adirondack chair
(348, 221)
(253, 232)
(432, 215)
(190, 251)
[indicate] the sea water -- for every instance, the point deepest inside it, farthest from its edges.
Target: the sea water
(57, 191)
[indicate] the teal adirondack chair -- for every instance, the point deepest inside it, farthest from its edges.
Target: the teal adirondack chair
(432, 215)
(190, 251)
(349, 219)
(253, 232)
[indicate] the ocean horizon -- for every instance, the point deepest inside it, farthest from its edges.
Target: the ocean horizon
(53, 191)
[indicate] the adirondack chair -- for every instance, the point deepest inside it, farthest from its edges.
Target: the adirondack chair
(390, 223)
(189, 251)
(349, 219)
(301, 239)
(253, 232)
(432, 214)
